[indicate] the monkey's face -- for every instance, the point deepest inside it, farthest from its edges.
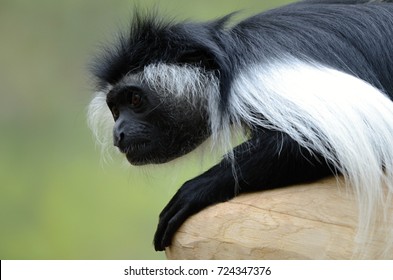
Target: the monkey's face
(157, 114)
(164, 89)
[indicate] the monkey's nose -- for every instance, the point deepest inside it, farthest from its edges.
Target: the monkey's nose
(118, 138)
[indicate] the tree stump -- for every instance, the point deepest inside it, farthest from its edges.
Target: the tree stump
(308, 221)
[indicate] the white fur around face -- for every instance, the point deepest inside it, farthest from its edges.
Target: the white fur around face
(343, 118)
(100, 121)
(188, 86)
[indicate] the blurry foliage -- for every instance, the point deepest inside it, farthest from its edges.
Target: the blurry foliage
(57, 199)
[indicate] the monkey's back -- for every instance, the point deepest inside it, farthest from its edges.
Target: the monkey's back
(353, 38)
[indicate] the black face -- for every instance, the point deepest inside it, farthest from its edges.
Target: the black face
(150, 130)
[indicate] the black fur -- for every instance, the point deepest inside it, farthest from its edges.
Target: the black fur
(353, 36)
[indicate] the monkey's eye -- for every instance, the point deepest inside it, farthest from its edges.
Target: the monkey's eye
(136, 100)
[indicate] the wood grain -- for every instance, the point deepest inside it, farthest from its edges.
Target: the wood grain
(309, 221)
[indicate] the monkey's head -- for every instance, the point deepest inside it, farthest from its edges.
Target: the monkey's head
(162, 85)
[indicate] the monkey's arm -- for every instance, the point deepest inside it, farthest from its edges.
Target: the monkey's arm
(269, 160)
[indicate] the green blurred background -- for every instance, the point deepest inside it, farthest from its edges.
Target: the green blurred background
(58, 200)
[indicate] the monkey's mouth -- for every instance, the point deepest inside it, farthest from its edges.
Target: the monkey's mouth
(137, 152)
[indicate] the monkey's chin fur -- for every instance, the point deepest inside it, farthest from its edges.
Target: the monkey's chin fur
(138, 162)
(145, 156)
(147, 160)
(141, 154)
(148, 153)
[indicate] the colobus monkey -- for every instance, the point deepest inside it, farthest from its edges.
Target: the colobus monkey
(309, 85)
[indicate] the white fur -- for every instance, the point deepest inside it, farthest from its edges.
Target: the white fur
(100, 121)
(175, 81)
(182, 85)
(317, 105)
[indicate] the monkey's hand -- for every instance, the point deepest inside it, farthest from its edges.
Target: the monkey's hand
(196, 194)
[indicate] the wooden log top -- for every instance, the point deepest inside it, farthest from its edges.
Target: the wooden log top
(308, 221)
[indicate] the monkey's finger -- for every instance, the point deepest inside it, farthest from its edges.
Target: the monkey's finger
(173, 225)
(165, 216)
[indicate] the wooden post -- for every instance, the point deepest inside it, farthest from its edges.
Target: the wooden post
(309, 221)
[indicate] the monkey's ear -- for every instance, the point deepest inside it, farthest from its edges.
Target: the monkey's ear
(198, 57)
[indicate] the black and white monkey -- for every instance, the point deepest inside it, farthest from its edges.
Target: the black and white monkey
(310, 86)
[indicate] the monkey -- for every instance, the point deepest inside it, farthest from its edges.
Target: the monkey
(308, 86)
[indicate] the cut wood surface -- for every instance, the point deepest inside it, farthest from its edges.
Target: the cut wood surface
(309, 221)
